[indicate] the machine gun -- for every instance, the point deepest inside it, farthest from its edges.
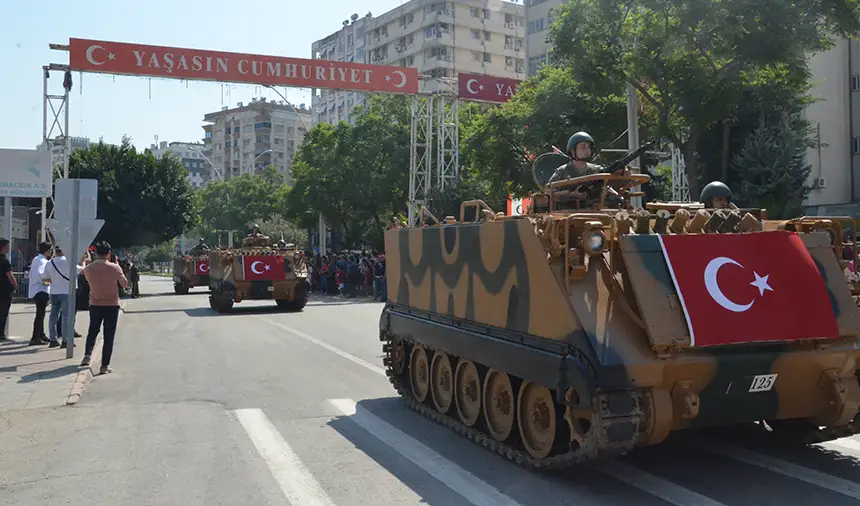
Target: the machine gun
(629, 157)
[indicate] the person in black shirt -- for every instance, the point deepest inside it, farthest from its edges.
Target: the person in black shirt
(8, 285)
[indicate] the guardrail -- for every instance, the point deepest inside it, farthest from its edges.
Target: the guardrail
(23, 286)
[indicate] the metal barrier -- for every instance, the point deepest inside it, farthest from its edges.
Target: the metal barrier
(23, 286)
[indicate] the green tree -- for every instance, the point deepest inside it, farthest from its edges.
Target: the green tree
(546, 110)
(691, 61)
(143, 200)
(356, 176)
(277, 227)
(239, 201)
(773, 162)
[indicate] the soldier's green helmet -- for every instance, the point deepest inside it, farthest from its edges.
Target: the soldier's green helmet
(576, 139)
(713, 190)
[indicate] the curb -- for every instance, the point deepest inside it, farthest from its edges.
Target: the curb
(84, 376)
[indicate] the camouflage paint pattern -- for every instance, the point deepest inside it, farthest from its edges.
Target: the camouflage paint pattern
(497, 273)
(225, 267)
(186, 271)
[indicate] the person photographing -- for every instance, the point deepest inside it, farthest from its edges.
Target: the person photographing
(102, 276)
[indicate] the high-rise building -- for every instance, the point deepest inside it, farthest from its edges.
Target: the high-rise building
(440, 39)
(253, 136)
(539, 17)
(192, 157)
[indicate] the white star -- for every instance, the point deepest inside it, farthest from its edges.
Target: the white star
(388, 78)
(761, 283)
(481, 87)
(111, 56)
(269, 267)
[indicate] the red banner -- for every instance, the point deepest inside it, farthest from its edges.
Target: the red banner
(180, 63)
(489, 88)
(745, 288)
(263, 267)
(202, 268)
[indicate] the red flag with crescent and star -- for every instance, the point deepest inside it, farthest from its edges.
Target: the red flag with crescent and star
(749, 288)
(202, 268)
(263, 267)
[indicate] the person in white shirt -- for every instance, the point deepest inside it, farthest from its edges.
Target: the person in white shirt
(57, 272)
(40, 293)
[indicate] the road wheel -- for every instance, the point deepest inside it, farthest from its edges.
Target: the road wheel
(499, 404)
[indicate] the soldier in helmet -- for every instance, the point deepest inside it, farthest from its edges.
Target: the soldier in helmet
(200, 248)
(716, 195)
(255, 238)
(580, 149)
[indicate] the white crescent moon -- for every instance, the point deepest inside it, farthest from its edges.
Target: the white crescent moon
(254, 268)
(204, 267)
(714, 288)
(90, 54)
(402, 78)
(469, 86)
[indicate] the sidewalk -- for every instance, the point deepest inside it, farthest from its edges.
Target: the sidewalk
(36, 377)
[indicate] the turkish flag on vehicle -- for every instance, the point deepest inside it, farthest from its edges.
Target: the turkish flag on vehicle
(263, 267)
(749, 288)
(202, 268)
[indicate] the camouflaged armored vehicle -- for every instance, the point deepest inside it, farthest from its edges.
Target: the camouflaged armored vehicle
(190, 271)
(258, 271)
(590, 327)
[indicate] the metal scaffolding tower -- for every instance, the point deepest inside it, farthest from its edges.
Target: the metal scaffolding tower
(56, 133)
(435, 117)
(680, 185)
(420, 161)
(448, 150)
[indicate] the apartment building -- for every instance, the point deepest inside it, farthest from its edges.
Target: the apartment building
(835, 160)
(346, 44)
(539, 17)
(192, 157)
(252, 136)
(440, 39)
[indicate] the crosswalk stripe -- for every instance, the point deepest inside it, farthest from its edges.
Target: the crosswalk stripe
(842, 444)
(296, 481)
(654, 485)
(337, 351)
(795, 471)
(448, 473)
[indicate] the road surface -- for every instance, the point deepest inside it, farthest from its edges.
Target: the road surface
(262, 407)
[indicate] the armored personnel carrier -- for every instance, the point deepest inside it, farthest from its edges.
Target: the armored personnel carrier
(258, 271)
(190, 271)
(588, 327)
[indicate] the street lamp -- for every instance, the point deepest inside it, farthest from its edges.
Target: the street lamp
(254, 161)
(214, 167)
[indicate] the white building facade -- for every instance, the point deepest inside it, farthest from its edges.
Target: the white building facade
(835, 118)
(253, 136)
(440, 39)
(191, 156)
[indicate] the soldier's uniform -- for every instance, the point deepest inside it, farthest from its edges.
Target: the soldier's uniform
(569, 170)
(200, 248)
(255, 238)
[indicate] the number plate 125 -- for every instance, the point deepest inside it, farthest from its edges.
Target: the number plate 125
(763, 382)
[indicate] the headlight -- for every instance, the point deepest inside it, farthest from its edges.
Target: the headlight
(593, 242)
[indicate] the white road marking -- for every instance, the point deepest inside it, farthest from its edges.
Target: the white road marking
(795, 471)
(654, 485)
(337, 351)
(843, 444)
(448, 473)
(297, 483)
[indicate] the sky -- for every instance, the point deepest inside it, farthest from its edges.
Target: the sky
(113, 106)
